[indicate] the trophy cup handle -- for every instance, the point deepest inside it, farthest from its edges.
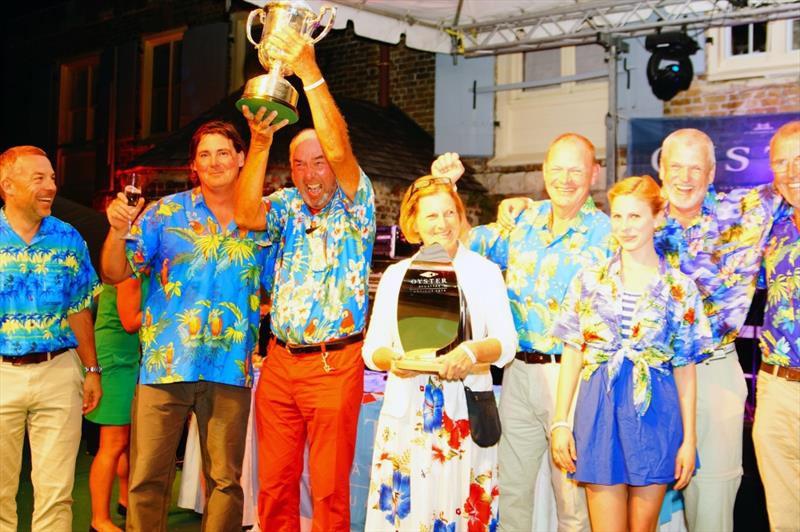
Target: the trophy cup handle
(318, 22)
(249, 25)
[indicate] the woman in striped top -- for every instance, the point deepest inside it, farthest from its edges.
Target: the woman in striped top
(633, 328)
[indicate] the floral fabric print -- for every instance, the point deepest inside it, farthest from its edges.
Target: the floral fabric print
(539, 266)
(40, 284)
(200, 318)
(668, 329)
(780, 335)
(322, 273)
(430, 444)
(721, 252)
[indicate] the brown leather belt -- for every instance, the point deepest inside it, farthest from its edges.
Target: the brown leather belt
(32, 358)
(535, 357)
(790, 374)
(333, 345)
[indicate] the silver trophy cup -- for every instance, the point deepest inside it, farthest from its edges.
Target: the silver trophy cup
(271, 90)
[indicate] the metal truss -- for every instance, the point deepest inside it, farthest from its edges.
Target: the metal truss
(597, 21)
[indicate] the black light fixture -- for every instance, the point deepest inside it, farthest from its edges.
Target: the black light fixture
(669, 69)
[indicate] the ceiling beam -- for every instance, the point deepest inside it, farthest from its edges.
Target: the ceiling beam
(585, 23)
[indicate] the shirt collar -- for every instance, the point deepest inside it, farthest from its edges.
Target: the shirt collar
(44, 228)
(541, 219)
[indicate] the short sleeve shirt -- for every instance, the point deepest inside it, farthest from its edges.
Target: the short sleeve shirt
(200, 316)
(539, 266)
(322, 269)
(41, 283)
(721, 252)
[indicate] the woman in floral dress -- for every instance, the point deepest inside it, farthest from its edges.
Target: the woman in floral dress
(633, 328)
(427, 473)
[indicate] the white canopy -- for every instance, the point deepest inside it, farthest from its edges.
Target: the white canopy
(474, 27)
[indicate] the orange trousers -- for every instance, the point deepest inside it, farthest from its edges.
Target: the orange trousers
(297, 398)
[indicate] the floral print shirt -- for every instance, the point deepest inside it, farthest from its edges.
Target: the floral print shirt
(539, 266)
(200, 317)
(323, 262)
(40, 284)
(668, 328)
(721, 252)
(780, 335)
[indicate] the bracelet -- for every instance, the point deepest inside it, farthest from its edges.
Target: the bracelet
(314, 85)
(93, 369)
(559, 424)
(470, 353)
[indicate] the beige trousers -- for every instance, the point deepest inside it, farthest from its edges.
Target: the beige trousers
(159, 414)
(711, 495)
(45, 399)
(776, 435)
(527, 404)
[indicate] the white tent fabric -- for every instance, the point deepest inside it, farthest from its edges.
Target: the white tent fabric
(422, 21)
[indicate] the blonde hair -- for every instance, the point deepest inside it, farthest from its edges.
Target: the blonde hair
(642, 187)
(573, 137)
(409, 208)
(9, 158)
(785, 131)
(688, 137)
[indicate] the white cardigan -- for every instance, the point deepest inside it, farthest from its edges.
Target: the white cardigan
(490, 313)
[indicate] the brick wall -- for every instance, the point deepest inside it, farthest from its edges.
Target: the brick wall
(350, 65)
(755, 96)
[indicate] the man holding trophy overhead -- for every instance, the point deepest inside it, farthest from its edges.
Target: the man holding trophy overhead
(312, 379)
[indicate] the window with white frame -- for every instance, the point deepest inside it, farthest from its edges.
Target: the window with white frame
(77, 100)
(161, 83)
(747, 39)
(762, 49)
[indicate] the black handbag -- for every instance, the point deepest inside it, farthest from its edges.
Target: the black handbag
(484, 419)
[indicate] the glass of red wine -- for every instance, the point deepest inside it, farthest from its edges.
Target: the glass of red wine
(133, 191)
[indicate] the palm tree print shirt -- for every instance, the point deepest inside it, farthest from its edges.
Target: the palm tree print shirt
(200, 317)
(40, 284)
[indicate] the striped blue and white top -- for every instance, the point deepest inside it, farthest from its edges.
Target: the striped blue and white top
(628, 306)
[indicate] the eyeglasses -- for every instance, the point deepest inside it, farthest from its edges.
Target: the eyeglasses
(419, 184)
(782, 166)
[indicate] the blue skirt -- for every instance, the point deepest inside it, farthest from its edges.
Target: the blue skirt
(616, 446)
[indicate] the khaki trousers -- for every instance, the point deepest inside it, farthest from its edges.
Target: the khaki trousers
(776, 435)
(710, 496)
(45, 399)
(160, 412)
(527, 404)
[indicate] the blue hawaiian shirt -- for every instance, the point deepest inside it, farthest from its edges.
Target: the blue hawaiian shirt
(322, 270)
(40, 284)
(540, 266)
(201, 313)
(668, 327)
(780, 335)
(721, 252)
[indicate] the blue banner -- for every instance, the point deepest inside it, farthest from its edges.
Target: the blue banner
(741, 145)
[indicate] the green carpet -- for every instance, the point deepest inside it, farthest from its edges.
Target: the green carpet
(180, 520)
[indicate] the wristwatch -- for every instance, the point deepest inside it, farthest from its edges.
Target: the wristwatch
(94, 369)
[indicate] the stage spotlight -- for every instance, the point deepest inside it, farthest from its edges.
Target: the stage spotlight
(669, 69)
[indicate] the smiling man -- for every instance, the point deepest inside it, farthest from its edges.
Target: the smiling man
(47, 283)
(201, 314)
(312, 379)
(716, 239)
(551, 241)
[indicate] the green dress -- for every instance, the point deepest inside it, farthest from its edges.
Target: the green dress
(118, 354)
